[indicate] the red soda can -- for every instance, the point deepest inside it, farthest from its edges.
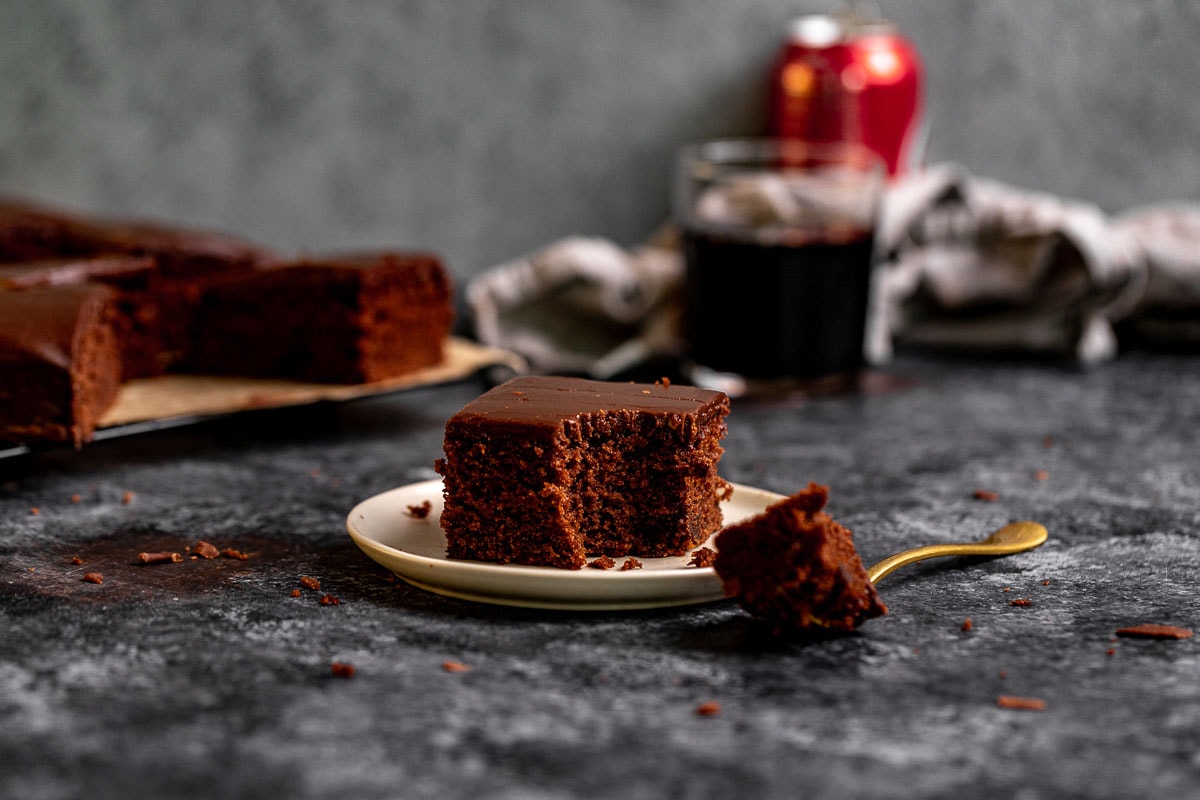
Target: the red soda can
(844, 78)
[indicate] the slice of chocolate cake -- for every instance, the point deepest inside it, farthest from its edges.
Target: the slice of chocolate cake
(349, 319)
(797, 568)
(184, 261)
(59, 362)
(545, 470)
(137, 320)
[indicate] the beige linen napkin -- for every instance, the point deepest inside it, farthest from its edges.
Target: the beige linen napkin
(1168, 310)
(582, 305)
(969, 263)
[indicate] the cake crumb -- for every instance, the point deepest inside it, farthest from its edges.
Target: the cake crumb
(160, 558)
(207, 550)
(1020, 601)
(455, 666)
(127, 498)
(420, 511)
(229, 552)
(709, 708)
(330, 600)
(664, 382)
(1002, 674)
(986, 496)
(1111, 651)
(1007, 588)
(35, 511)
(75, 498)
(1045, 583)
(631, 563)
(310, 583)
(1021, 703)
(1041, 475)
(295, 592)
(821, 588)
(602, 562)
(76, 560)
(702, 557)
(93, 577)
(341, 670)
(1155, 631)
(967, 625)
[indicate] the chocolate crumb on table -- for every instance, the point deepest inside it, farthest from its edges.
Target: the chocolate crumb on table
(986, 496)
(206, 550)
(229, 552)
(160, 558)
(330, 600)
(76, 560)
(310, 583)
(341, 670)
(1021, 703)
(1021, 601)
(709, 708)
(127, 498)
(967, 625)
(35, 511)
(420, 511)
(295, 592)
(602, 562)
(1155, 631)
(630, 563)
(702, 557)
(455, 666)
(93, 577)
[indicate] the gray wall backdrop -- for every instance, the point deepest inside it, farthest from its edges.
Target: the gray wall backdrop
(484, 128)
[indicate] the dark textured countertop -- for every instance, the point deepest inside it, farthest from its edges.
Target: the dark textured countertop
(208, 679)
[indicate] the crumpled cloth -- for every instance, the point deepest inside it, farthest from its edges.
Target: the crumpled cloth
(965, 263)
(583, 305)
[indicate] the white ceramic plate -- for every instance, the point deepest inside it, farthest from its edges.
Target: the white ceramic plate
(415, 549)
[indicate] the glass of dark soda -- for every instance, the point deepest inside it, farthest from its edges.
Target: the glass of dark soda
(778, 239)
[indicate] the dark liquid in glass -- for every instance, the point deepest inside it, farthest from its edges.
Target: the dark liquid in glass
(769, 311)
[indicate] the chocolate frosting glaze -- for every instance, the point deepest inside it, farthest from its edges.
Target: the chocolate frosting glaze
(547, 401)
(42, 323)
(117, 270)
(28, 231)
